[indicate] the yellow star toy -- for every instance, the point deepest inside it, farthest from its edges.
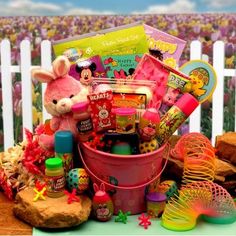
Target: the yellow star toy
(39, 194)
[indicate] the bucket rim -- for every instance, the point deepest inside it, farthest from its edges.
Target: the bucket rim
(108, 155)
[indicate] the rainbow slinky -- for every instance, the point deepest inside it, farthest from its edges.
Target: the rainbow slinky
(198, 194)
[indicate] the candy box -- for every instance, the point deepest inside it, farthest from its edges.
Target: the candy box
(128, 93)
(120, 48)
(101, 110)
(169, 47)
(152, 69)
(122, 40)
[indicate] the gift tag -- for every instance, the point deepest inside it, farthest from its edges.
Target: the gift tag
(203, 79)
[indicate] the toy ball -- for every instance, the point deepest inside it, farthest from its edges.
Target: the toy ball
(78, 179)
(121, 148)
(149, 146)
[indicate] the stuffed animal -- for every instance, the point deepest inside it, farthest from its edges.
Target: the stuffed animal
(61, 93)
(102, 204)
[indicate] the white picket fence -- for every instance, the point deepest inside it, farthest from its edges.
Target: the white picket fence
(46, 58)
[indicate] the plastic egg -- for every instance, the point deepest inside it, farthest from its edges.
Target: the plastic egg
(79, 179)
(121, 148)
(149, 146)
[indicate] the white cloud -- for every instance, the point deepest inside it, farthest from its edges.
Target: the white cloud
(31, 8)
(178, 6)
(86, 11)
(218, 4)
(28, 7)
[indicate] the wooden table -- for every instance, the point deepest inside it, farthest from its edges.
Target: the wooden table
(9, 224)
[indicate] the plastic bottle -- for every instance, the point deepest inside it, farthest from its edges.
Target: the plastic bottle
(84, 121)
(64, 149)
(55, 178)
(175, 116)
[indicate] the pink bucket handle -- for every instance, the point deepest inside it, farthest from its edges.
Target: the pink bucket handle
(125, 187)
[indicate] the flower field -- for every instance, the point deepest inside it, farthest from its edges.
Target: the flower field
(204, 27)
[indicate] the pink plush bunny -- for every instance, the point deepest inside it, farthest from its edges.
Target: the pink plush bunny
(61, 93)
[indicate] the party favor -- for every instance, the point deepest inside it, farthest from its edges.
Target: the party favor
(150, 68)
(122, 40)
(164, 46)
(101, 110)
(203, 79)
(120, 48)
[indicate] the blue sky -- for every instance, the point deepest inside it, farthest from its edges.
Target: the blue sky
(88, 7)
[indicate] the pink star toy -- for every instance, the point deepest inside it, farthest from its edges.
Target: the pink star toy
(72, 196)
(144, 221)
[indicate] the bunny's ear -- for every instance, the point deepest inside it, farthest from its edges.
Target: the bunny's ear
(102, 187)
(42, 75)
(95, 187)
(61, 66)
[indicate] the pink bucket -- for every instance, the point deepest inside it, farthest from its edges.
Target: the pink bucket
(126, 176)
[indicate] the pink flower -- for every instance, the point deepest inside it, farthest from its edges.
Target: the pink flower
(17, 89)
(17, 107)
(1, 137)
(231, 83)
(206, 105)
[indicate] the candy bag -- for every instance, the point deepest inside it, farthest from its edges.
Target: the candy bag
(101, 110)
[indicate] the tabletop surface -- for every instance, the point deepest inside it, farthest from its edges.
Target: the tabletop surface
(91, 227)
(132, 228)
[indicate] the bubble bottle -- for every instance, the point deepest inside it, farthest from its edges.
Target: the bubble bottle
(64, 149)
(84, 123)
(55, 178)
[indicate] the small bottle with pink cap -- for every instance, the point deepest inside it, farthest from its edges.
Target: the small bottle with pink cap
(125, 120)
(84, 122)
(176, 116)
